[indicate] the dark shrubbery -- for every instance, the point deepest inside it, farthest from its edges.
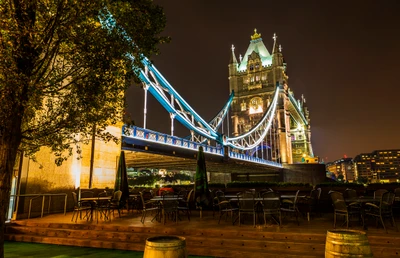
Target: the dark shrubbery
(258, 184)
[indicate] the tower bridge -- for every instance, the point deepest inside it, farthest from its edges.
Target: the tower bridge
(270, 128)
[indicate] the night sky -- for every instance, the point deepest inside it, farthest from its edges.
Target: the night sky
(342, 55)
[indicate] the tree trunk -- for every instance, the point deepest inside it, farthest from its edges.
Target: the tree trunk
(8, 152)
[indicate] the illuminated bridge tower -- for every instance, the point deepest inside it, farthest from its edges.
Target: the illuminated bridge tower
(253, 79)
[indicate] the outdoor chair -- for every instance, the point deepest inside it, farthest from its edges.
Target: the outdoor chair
(115, 203)
(78, 208)
(382, 211)
(225, 208)
(350, 194)
(184, 205)
(396, 204)
(378, 193)
(310, 203)
(87, 194)
(271, 207)
(215, 196)
(247, 205)
(342, 209)
(134, 201)
(169, 207)
(266, 190)
(290, 206)
(148, 205)
(102, 207)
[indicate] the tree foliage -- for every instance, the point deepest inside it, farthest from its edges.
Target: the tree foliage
(61, 73)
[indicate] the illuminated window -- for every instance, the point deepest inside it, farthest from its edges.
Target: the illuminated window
(252, 79)
(256, 105)
(257, 78)
(243, 106)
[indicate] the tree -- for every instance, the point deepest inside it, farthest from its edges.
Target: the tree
(62, 74)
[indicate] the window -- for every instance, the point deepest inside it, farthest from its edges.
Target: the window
(243, 106)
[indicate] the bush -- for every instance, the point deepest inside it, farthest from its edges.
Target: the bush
(143, 180)
(337, 184)
(216, 185)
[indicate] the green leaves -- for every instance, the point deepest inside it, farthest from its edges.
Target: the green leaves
(61, 72)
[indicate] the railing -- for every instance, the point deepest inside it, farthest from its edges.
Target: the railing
(162, 138)
(153, 136)
(36, 196)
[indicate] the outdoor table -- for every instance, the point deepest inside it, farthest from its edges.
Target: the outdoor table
(362, 200)
(255, 199)
(291, 196)
(159, 199)
(92, 201)
(168, 198)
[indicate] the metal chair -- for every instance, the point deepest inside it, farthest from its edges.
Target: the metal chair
(215, 196)
(169, 207)
(102, 207)
(226, 208)
(115, 203)
(271, 207)
(383, 210)
(290, 206)
(247, 205)
(184, 205)
(378, 193)
(148, 205)
(350, 194)
(341, 209)
(78, 208)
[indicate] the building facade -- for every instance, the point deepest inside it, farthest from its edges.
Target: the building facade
(254, 79)
(378, 166)
(342, 167)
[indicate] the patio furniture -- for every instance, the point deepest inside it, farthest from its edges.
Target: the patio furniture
(115, 202)
(215, 200)
(79, 207)
(184, 204)
(102, 207)
(342, 209)
(290, 206)
(310, 203)
(378, 193)
(382, 211)
(271, 206)
(247, 205)
(169, 206)
(350, 194)
(225, 208)
(148, 205)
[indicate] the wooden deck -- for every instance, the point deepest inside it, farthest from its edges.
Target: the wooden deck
(203, 236)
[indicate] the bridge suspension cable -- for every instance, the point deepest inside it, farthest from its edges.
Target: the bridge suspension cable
(178, 108)
(255, 136)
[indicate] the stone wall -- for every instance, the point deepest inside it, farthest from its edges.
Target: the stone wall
(304, 173)
(43, 176)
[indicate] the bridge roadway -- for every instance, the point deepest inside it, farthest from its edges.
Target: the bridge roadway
(147, 150)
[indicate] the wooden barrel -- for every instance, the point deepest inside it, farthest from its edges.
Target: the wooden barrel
(165, 247)
(347, 243)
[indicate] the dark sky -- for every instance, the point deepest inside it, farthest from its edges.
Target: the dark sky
(342, 55)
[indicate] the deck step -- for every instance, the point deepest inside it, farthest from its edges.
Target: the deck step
(204, 242)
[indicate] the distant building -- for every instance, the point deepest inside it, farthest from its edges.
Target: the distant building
(378, 166)
(343, 166)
